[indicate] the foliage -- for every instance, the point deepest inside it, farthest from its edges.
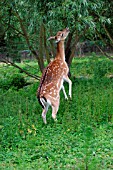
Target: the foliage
(20, 29)
(11, 79)
(82, 137)
(58, 14)
(18, 81)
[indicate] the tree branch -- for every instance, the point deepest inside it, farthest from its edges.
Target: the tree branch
(39, 59)
(104, 53)
(26, 72)
(10, 26)
(108, 34)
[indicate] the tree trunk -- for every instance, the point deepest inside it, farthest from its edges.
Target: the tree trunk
(39, 58)
(68, 48)
(41, 48)
(108, 34)
(52, 52)
(45, 45)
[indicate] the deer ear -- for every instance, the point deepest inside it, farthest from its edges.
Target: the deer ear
(51, 38)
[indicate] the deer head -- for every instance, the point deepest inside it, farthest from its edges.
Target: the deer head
(60, 36)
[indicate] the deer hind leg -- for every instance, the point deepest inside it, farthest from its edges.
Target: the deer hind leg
(55, 110)
(44, 115)
(66, 78)
(45, 109)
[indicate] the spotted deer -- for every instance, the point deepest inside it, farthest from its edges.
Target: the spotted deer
(53, 76)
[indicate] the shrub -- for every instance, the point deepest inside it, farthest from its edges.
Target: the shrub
(15, 80)
(18, 81)
(5, 83)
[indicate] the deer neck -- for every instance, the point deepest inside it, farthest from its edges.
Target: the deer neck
(60, 50)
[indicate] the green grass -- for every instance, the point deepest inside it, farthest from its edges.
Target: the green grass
(81, 139)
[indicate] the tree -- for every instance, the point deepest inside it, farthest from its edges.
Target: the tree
(30, 22)
(88, 20)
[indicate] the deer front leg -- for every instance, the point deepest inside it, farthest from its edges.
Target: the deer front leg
(66, 78)
(65, 95)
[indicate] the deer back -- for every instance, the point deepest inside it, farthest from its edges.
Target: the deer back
(52, 77)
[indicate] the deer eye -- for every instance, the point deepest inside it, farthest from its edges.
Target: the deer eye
(62, 35)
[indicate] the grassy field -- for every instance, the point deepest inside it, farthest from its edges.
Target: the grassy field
(81, 139)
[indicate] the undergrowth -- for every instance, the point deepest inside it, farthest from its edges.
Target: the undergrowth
(81, 139)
